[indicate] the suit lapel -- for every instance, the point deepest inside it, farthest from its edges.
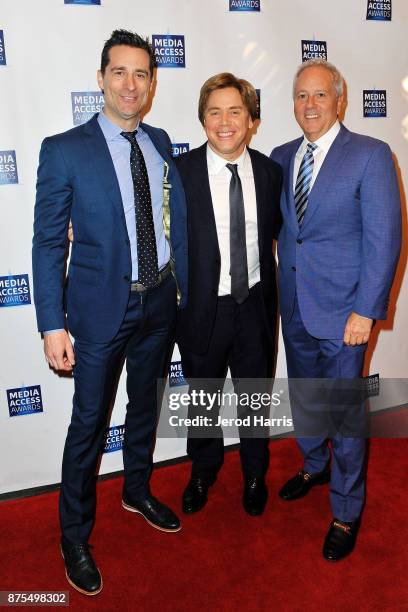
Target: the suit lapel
(261, 193)
(100, 157)
(326, 174)
(168, 177)
(288, 185)
(205, 209)
(164, 151)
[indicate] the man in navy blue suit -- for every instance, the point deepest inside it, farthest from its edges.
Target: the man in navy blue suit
(338, 249)
(115, 179)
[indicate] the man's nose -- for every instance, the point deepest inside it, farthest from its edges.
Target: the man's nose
(130, 82)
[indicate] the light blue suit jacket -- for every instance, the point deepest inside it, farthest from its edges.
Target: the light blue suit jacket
(77, 181)
(343, 257)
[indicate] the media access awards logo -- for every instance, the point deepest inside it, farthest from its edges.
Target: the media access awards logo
(169, 50)
(379, 11)
(8, 168)
(2, 49)
(249, 6)
(85, 104)
(374, 103)
(258, 106)
(14, 290)
(178, 148)
(314, 49)
(24, 400)
(114, 438)
(95, 2)
(176, 377)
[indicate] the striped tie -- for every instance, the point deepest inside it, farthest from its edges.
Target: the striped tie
(304, 178)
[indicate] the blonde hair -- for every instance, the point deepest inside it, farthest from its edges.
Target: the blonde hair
(221, 81)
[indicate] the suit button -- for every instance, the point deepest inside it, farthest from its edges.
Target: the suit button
(293, 268)
(127, 241)
(299, 241)
(126, 278)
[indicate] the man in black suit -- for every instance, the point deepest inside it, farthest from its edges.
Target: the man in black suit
(233, 216)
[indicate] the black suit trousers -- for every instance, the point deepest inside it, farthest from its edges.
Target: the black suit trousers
(240, 341)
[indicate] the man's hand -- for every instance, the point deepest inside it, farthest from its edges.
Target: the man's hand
(357, 330)
(70, 232)
(58, 350)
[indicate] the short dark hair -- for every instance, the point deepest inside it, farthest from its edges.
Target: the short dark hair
(131, 39)
(221, 81)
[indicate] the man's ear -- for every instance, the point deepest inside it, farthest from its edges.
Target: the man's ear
(99, 78)
(340, 101)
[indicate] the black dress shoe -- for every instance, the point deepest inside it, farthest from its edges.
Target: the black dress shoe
(340, 539)
(80, 568)
(255, 496)
(300, 485)
(195, 495)
(156, 514)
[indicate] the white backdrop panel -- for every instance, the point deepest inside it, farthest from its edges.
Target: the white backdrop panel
(53, 49)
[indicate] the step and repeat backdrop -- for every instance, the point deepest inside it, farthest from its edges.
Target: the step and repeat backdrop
(49, 54)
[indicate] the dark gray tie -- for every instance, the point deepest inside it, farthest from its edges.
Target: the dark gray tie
(238, 252)
(148, 268)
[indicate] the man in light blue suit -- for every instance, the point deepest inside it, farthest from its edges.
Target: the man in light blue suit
(114, 177)
(338, 249)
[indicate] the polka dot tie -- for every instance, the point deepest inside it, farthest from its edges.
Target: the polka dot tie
(148, 269)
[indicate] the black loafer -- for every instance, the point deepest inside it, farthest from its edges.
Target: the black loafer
(195, 495)
(300, 485)
(340, 539)
(156, 514)
(80, 568)
(255, 496)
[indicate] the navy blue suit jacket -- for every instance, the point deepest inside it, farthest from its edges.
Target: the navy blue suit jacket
(343, 257)
(77, 181)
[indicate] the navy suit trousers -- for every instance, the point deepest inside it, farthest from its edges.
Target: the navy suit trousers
(145, 340)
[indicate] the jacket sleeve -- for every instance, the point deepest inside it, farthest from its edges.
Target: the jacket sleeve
(50, 242)
(381, 234)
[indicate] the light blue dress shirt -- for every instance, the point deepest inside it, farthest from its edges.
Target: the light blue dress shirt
(119, 148)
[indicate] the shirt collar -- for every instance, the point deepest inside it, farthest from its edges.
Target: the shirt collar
(324, 142)
(110, 130)
(216, 163)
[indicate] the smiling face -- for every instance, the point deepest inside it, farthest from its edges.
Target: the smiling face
(227, 122)
(316, 104)
(126, 84)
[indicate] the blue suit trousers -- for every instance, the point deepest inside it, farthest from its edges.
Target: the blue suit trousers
(313, 358)
(145, 341)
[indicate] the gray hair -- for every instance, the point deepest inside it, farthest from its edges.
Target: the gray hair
(338, 81)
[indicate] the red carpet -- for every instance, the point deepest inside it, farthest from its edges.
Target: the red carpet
(223, 559)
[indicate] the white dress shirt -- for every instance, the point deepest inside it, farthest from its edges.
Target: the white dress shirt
(323, 145)
(220, 177)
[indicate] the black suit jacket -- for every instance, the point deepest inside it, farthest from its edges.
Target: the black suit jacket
(195, 322)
